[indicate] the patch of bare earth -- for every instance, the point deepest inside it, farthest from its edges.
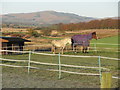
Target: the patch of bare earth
(13, 30)
(20, 81)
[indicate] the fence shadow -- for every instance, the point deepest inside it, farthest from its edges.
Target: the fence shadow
(43, 49)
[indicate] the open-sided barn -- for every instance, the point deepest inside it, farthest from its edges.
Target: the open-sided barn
(12, 43)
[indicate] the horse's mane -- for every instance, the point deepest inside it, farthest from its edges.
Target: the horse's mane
(67, 38)
(62, 39)
(93, 33)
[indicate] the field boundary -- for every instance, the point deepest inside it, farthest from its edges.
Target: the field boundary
(65, 65)
(75, 56)
(53, 64)
(105, 43)
(91, 74)
(60, 55)
(93, 48)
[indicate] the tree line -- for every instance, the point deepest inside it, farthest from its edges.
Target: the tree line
(94, 24)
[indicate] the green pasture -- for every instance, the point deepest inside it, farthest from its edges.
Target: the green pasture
(112, 40)
(41, 72)
(83, 80)
(109, 40)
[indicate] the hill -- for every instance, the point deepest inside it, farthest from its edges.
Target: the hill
(43, 18)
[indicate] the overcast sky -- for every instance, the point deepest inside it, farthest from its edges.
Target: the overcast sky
(93, 8)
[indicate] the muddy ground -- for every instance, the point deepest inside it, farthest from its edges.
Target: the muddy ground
(12, 79)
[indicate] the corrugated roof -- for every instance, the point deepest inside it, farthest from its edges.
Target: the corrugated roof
(15, 39)
(3, 40)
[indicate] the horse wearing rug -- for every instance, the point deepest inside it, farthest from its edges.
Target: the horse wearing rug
(60, 44)
(82, 40)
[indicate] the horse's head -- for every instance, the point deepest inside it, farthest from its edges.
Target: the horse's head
(68, 40)
(94, 35)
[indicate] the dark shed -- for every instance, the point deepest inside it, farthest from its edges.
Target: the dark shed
(12, 43)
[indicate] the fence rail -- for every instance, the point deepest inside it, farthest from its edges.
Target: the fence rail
(76, 56)
(65, 65)
(53, 64)
(91, 74)
(106, 43)
(61, 55)
(36, 46)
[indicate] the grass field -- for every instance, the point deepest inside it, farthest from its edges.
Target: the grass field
(46, 79)
(112, 40)
(91, 81)
(109, 40)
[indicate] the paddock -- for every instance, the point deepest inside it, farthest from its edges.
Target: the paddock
(37, 64)
(62, 66)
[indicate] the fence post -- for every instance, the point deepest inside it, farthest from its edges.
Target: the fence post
(29, 62)
(59, 62)
(106, 81)
(99, 62)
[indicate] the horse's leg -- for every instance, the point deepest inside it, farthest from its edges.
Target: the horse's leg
(75, 49)
(62, 50)
(86, 49)
(66, 49)
(81, 48)
(53, 50)
(72, 46)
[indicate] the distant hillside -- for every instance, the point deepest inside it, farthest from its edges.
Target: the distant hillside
(44, 17)
(108, 23)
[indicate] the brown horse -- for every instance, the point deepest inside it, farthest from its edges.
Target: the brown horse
(83, 40)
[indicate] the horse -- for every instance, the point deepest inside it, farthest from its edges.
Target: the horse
(60, 44)
(83, 41)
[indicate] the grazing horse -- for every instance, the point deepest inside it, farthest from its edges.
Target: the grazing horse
(60, 44)
(82, 40)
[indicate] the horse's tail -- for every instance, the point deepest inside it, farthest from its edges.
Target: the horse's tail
(72, 43)
(53, 46)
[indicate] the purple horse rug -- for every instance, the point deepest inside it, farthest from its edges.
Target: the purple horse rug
(82, 40)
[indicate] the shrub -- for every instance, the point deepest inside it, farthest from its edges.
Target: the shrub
(47, 32)
(32, 32)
